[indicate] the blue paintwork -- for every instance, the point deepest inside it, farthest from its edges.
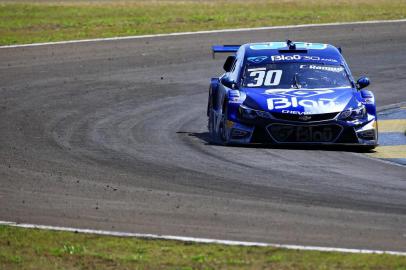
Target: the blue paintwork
(224, 48)
(323, 51)
(257, 59)
(339, 99)
(363, 82)
(368, 99)
(343, 97)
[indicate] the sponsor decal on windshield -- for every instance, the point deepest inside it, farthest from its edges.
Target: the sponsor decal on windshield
(324, 68)
(261, 77)
(257, 59)
(297, 57)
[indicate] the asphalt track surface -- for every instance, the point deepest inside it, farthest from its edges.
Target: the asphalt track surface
(112, 135)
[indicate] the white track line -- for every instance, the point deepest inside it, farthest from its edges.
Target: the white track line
(199, 240)
(203, 32)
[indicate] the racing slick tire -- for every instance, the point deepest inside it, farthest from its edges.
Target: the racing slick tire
(218, 136)
(223, 131)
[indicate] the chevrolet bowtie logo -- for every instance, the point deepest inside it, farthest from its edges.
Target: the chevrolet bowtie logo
(305, 117)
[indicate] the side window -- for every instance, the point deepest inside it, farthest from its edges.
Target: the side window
(235, 70)
(234, 64)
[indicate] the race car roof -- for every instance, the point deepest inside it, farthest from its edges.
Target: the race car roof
(268, 52)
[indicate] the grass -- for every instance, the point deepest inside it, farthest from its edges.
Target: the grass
(44, 20)
(40, 249)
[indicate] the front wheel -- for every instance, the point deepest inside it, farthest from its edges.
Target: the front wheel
(218, 135)
(367, 148)
(224, 129)
(211, 123)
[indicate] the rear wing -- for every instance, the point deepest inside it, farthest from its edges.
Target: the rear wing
(224, 49)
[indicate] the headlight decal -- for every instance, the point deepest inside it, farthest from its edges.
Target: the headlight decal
(248, 113)
(354, 114)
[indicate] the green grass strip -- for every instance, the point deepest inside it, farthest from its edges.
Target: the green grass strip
(42, 20)
(41, 249)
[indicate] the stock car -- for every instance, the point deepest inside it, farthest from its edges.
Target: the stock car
(290, 93)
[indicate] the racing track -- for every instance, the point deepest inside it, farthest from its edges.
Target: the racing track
(112, 135)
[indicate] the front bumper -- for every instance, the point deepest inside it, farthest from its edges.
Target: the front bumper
(276, 131)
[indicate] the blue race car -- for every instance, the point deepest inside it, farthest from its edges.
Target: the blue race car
(289, 93)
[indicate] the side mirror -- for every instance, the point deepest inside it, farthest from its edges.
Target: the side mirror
(228, 82)
(363, 82)
(228, 64)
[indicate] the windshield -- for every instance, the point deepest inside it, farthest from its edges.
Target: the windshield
(296, 75)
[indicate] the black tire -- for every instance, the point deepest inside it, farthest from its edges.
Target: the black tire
(223, 130)
(213, 138)
(367, 148)
(220, 137)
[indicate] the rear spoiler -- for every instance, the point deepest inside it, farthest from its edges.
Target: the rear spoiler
(224, 49)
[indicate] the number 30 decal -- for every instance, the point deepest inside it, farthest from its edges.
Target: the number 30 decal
(272, 78)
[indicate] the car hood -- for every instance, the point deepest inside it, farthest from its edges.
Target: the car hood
(301, 101)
